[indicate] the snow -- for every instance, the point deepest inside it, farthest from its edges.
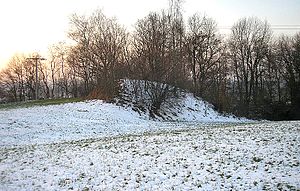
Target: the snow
(213, 157)
(194, 109)
(182, 107)
(67, 122)
(95, 145)
(89, 119)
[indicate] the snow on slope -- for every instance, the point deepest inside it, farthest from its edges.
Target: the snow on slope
(93, 119)
(183, 107)
(194, 109)
(73, 121)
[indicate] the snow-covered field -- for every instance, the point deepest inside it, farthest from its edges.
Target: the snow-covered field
(83, 120)
(100, 146)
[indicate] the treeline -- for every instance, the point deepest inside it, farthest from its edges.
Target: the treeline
(248, 72)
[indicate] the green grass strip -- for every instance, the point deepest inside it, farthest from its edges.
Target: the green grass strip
(32, 103)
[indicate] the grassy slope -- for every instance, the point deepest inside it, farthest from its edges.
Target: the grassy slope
(33, 103)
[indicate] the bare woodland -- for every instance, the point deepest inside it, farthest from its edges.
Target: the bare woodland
(249, 72)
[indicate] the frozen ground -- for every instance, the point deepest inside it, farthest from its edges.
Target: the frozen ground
(99, 146)
(83, 120)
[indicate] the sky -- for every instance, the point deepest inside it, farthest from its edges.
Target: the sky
(29, 26)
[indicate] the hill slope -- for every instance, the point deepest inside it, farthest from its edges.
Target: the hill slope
(95, 118)
(179, 106)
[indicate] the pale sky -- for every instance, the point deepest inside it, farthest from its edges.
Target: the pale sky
(33, 25)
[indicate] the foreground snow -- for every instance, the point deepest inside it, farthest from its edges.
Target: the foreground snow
(83, 120)
(100, 146)
(212, 157)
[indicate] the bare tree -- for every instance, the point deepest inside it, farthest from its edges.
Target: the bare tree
(158, 55)
(9, 84)
(204, 51)
(81, 32)
(13, 78)
(54, 69)
(248, 46)
(61, 68)
(176, 45)
(289, 56)
(100, 47)
(44, 78)
(18, 78)
(108, 46)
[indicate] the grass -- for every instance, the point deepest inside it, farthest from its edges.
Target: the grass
(32, 103)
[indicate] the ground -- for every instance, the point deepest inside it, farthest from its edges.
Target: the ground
(81, 151)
